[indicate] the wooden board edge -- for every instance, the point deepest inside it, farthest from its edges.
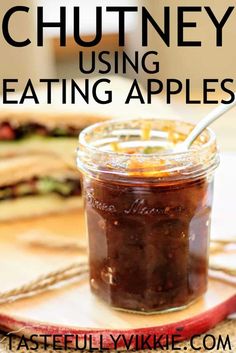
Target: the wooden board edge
(183, 330)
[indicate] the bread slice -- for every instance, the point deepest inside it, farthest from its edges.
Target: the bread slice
(62, 147)
(38, 205)
(23, 168)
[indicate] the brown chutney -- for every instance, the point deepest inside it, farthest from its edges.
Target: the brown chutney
(148, 229)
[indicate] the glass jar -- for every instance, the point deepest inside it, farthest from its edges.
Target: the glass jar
(148, 212)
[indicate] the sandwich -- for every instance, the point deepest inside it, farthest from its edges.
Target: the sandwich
(35, 185)
(38, 173)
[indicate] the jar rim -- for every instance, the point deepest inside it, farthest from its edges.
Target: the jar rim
(192, 163)
(88, 130)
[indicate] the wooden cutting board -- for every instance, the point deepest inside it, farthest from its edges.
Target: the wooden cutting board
(74, 309)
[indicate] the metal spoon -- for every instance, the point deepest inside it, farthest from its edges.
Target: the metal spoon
(203, 124)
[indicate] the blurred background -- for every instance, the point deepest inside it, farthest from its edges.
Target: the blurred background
(34, 246)
(181, 63)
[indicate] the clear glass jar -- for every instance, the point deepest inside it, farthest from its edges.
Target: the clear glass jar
(148, 212)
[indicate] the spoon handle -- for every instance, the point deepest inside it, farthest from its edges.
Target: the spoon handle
(204, 123)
